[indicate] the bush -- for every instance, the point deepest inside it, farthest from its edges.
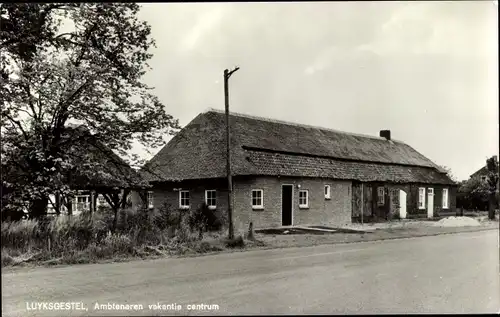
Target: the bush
(6, 258)
(88, 237)
(205, 219)
(21, 235)
(237, 242)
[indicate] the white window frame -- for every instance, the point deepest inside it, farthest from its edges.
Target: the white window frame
(257, 206)
(381, 196)
(101, 201)
(484, 178)
(76, 204)
(421, 198)
(214, 198)
(327, 192)
(306, 205)
(150, 199)
(446, 198)
(181, 206)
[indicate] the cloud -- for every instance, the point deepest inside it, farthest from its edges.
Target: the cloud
(322, 61)
(432, 28)
(206, 23)
(354, 66)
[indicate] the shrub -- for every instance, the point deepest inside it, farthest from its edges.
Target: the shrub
(118, 244)
(237, 242)
(142, 227)
(88, 237)
(205, 246)
(167, 216)
(197, 220)
(205, 219)
(183, 233)
(75, 232)
(6, 258)
(22, 235)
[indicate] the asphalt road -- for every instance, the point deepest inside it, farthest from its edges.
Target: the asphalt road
(456, 273)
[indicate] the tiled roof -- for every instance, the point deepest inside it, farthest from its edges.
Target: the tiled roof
(278, 164)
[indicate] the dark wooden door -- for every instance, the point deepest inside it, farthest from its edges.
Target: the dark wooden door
(286, 205)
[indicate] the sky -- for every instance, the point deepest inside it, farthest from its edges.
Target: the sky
(427, 71)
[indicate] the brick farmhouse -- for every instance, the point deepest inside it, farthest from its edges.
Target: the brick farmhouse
(291, 174)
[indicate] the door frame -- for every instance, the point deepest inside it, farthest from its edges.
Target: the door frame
(281, 202)
(402, 193)
(430, 207)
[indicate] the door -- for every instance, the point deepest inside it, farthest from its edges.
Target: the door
(286, 204)
(402, 204)
(430, 202)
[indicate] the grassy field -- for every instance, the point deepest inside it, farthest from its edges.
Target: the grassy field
(80, 240)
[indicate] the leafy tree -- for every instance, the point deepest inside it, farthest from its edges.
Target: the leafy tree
(72, 63)
(477, 193)
(449, 173)
(492, 185)
(472, 194)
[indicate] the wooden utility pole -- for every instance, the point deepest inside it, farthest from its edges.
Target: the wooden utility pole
(228, 74)
(362, 203)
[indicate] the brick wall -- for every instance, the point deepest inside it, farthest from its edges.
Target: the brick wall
(169, 194)
(333, 211)
(376, 211)
(412, 199)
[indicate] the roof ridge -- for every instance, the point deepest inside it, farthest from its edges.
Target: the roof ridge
(238, 114)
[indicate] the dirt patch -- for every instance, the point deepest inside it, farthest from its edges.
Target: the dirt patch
(292, 231)
(304, 240)
(457, 222)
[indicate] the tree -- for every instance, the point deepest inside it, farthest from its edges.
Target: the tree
(72, 63)
(472, 194)
(492, 185)
(479, 193)
(449, 173)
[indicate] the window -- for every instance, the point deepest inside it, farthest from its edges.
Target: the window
(303, 199)
(150, 199)
(421, 198)
(484, 178)
(184, 199)
(257, 199)
(211, 198)
(327, 191)
(82, 203)
(381, 196)
(101, 200)
(445, 198)
(51, 207)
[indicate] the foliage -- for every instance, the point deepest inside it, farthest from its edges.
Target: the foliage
(492, 185)
(87, 238)
(237, 242)
(205, 219)
(172, 217)
(72, 63)
(492, 175)
(472, 194)
(197, 220)
(475, 193)
(449, 173)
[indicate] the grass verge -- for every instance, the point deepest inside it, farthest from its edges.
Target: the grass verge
(120, 248)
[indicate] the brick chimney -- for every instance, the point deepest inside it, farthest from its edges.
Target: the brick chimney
(385, 134)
